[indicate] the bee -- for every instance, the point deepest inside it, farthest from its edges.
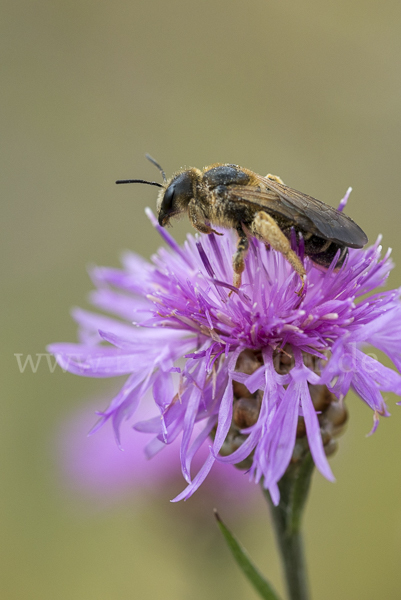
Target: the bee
(233, 197)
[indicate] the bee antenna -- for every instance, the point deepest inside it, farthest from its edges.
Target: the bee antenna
(140, 181)
(153, 161)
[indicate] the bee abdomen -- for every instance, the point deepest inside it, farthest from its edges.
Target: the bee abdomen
(326, 257)
(315, 245)
(320, 250)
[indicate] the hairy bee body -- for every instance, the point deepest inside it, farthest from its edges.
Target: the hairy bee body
(233, 197)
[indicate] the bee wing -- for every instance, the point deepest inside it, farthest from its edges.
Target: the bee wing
(307, 212)
(273, 204)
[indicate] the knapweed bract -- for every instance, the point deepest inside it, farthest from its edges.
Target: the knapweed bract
(238, 369)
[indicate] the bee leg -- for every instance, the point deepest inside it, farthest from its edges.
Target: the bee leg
(266, 228)
(239, 256)
(198, 220)
(275, 178)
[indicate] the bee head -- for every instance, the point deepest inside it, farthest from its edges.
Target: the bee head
(174, 195)
(174, 198)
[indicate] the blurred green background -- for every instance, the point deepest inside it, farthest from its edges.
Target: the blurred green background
(307, 90)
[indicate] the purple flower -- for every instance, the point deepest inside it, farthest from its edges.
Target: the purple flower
(93, 467)
(181, 315)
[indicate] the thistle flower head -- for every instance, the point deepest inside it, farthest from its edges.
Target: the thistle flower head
(247, 368)
(94, 469)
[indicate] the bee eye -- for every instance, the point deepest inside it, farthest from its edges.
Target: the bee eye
(168, 199)
(175, 198)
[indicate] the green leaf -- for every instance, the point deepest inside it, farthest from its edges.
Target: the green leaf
(245, 563)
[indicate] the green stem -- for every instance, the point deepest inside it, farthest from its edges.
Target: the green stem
(287, 516)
